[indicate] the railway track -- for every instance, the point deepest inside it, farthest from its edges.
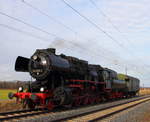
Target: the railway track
(102, 114)
(91, 113)
(14, 115)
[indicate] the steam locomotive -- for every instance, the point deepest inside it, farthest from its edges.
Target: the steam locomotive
(62, 80)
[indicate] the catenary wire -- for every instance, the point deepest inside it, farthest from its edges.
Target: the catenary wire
(92, 23)
(23, 32)
(27, 24)
(114, 26)
(110, 21)
(16, 19)
(59, 22)
(55, 20)
(96, 26)
(50, 17)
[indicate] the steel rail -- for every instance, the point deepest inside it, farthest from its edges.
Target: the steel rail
(118, 111)
(21, 113)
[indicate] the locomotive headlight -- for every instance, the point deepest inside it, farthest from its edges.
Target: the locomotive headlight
(42, 89)
(35, 57)
(20, 89)
(43, 60)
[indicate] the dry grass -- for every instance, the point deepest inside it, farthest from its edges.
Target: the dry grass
(146, 117)
(144, 91)
(9, 105)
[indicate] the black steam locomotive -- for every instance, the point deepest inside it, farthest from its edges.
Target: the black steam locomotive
(65, 80)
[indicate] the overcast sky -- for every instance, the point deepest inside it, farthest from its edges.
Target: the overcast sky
(126, 21)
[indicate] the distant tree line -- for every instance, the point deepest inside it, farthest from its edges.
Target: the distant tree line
(11, 84)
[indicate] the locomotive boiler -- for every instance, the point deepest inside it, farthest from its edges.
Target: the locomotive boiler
(62, 80)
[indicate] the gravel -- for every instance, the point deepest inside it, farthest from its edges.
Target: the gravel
(135, 114)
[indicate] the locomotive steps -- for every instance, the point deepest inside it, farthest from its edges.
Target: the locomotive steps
(95, 112)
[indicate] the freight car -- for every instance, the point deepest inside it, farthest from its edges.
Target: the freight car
(62, 80)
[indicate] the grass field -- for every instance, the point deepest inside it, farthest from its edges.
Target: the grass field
(4, 93)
